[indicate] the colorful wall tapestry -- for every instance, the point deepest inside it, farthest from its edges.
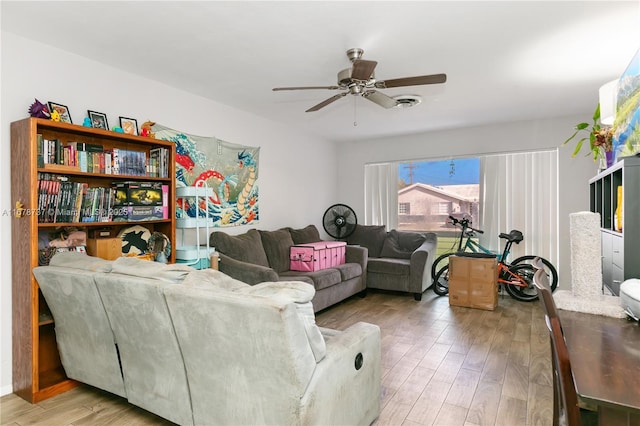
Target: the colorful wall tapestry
(230, 170)
(626, 137)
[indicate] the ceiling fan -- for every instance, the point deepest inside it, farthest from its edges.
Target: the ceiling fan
(360, 80)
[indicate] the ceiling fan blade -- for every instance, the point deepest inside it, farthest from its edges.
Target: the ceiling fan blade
(326, 102)
(275, 89)
(380, 98)
(362, 70)
(412, 81)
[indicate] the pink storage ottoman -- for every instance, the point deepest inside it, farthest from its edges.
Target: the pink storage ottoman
(311, 257)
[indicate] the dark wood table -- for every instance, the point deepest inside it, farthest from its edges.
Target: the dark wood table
(605, 358)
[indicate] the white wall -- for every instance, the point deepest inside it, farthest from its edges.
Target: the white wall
(574, 173)
(32, 70)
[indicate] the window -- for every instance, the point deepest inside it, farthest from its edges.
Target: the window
(499, 192)
(435, 190)
(441, 208)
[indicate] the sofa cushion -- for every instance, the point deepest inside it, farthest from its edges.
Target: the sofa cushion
(293, 276)
(212, 279)
(245, 247)
(321, 279)
(295, 291)
(308, 234)
(369, 236)
(277, 245)
(401, 245)
(301, 294)
(349, 270)
(78, 260)
(409, 240)
(389, 266)
(173, 273)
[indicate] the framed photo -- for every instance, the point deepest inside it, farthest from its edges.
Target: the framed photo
(65, 116)
(98, 120)
(129, 125)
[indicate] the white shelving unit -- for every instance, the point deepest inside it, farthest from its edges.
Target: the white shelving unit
(194, 255)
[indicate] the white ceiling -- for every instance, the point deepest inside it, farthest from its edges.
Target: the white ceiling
(505, 61)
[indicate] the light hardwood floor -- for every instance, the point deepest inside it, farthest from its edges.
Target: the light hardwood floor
(441, 365)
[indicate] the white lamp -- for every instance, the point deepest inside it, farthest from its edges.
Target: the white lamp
(608, 98)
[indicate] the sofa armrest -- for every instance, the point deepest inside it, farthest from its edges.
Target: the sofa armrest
(353, 394)
(358, 254)
(421, 261)
(245, 272)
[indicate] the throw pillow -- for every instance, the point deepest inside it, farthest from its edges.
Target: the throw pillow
(391, 248)
(370, 236)
(308, 234)
(277, 245)
(409, 240)
(246, 247)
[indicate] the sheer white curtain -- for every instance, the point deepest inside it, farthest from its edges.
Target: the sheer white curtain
(520, 191)
(381, 195)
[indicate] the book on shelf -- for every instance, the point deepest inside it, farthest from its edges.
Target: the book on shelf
(93, 158)
(165, 201)
(61, 200)
(64, 201)
(40, 151)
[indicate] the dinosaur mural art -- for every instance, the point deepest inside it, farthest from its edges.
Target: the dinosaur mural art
(230, 170)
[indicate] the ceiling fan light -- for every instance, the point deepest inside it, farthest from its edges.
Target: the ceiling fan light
(407, 101)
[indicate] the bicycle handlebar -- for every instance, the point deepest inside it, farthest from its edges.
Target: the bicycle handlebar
(465, 224)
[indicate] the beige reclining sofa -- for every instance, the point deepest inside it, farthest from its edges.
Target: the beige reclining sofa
(201, 348)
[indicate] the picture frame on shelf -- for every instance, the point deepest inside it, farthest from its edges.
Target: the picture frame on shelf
(63, 110)
(98, 120)
(129, 125)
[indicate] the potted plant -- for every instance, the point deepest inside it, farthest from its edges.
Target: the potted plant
(600, 139)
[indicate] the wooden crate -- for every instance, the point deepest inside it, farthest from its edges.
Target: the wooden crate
(106, 248)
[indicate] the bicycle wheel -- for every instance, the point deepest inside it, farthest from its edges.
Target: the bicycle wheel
(441, 281)
(439, 263)
(548, 266)
(525, 272)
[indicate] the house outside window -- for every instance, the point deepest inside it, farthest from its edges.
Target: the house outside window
(436, 189)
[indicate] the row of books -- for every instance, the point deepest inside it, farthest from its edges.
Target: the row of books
(93, 158)
(63, 201)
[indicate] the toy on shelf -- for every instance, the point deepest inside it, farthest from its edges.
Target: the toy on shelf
(87, 122)
(117, 129)
(39, 110)
(146, 129)
(55, 115)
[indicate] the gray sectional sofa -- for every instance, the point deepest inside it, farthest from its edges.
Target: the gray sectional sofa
(198, 347)
(398, 260)
(258, 256)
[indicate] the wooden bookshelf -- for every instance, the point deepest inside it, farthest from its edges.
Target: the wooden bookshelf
(37, 371)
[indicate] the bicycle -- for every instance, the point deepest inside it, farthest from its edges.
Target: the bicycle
(472, 246)
(517, 279)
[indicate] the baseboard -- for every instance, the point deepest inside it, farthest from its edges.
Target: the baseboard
(6, 390)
